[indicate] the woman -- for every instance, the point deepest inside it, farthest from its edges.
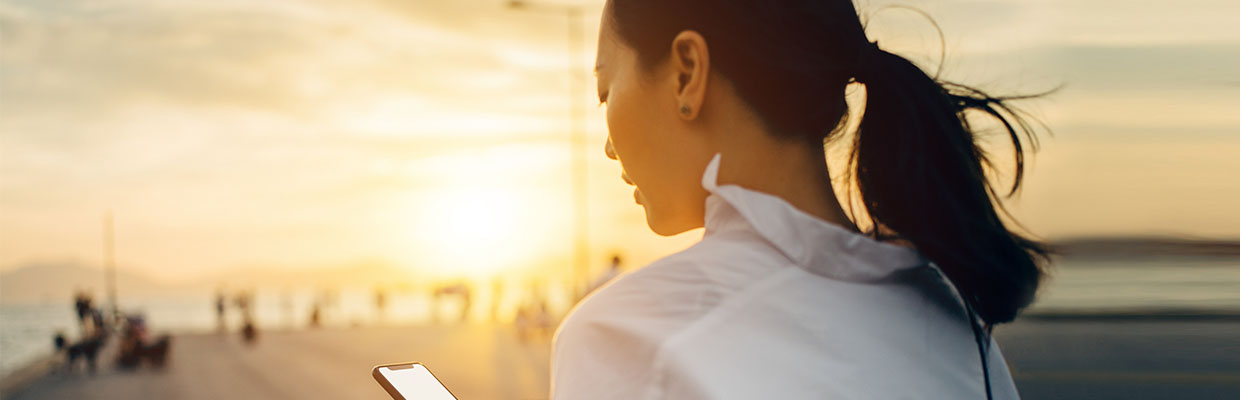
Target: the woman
(718, 112)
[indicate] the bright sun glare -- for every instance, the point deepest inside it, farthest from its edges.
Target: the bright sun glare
(472, 231)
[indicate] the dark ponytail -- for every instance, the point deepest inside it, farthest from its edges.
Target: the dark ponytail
(920, 174)
(915, 160)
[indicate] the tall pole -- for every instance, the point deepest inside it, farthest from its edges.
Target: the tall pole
(109, 261)
(581, 163)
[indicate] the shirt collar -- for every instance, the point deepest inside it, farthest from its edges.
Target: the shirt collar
(811, 243)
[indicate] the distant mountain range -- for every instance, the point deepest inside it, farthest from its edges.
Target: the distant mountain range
(57, 281)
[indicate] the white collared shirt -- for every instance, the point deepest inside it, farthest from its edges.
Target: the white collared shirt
(774, 303)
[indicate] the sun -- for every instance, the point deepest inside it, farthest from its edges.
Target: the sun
(473, 231)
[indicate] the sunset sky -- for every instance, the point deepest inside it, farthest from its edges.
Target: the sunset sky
(433, 134)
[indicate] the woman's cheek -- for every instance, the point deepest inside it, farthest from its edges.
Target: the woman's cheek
(622, 131)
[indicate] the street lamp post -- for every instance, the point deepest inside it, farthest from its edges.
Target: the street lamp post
(109, 267)
(581, 225)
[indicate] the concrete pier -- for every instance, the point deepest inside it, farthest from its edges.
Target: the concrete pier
(1051, 358)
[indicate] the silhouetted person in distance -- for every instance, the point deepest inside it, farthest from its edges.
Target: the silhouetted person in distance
(611, 273)
(497, 295)
(436, 293)
(221, 305)
(245, 302)
(324, 300)
(137, 347)
(522, 322)
(331, 298)
(461, 291)
(533, 317)
(82, 304)
(544, 322)
(93, 333)
(242, 301)
(249, 332)
(467, 301)
(380, 303)
(533, 320)
(316, 314)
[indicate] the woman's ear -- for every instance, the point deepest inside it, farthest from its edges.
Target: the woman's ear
(690, 61)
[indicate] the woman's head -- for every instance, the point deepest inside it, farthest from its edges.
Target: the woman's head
(665, 71)
(675, 73)
(651, 120)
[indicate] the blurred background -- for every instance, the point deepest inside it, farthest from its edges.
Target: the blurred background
(250, 197)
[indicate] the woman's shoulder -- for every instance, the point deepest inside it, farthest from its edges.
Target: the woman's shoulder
(668, 294)
(612, 337)
(686, 282)
(667, 289)
(603, 347)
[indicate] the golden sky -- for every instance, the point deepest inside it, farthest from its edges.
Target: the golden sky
(433, 134)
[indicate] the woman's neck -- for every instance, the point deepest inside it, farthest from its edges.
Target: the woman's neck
(794, 171)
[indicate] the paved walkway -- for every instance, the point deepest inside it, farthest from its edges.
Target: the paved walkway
(474, 361)
(1050, 359)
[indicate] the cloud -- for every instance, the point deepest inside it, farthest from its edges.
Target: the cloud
(298, 58)
(164, 93)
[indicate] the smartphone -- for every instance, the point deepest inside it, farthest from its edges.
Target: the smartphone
(410, 381)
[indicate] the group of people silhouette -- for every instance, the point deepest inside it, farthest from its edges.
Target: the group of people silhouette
(96, 326)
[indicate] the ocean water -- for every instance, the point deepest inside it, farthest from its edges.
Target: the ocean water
(26, 330)
(1151, 284)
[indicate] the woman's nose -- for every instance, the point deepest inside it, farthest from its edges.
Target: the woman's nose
(611, 151)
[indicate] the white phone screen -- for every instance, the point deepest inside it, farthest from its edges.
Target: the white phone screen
(416, 383)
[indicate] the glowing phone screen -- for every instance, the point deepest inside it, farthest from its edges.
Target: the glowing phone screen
(415, 382)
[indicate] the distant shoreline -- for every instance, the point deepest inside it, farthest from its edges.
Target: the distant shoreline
(1142, 314)
(1140, 247)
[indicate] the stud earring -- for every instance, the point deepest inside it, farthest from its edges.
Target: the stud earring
(684, 109)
